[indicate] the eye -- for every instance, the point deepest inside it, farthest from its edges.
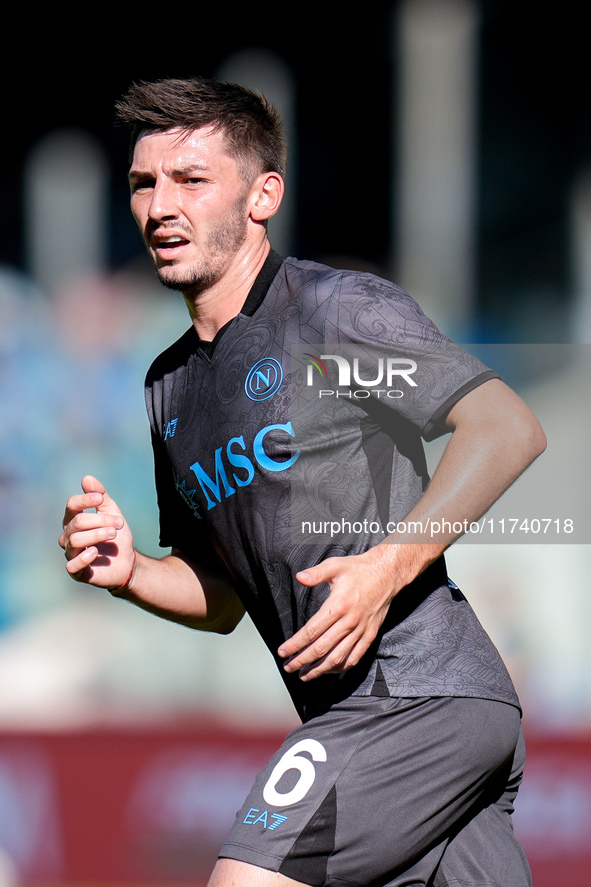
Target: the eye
(141, 185)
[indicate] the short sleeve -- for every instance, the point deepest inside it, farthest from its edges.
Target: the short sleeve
(180, 526)
(372, 318)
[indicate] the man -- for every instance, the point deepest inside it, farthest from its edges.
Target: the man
(410, 753)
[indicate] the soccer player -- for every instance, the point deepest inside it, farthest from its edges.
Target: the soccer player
(410, 752)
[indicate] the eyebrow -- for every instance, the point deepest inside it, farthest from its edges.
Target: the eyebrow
(136, 175)
(193, 167)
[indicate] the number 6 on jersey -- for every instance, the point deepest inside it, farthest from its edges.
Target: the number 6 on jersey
(291, 760)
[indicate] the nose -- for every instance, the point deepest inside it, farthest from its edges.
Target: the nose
(163, 203)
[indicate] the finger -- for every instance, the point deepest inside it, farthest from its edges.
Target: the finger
(94, 496)
(321, 646)
(342, 647)
(323, 572)
(86, 538)
(311, 631)
(92, 485)
(83, 522)
(94, 520)
(78, 503)
(78, 565)
(343, 656)
(326, 615)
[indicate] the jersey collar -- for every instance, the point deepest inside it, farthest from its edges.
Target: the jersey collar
(254, 299)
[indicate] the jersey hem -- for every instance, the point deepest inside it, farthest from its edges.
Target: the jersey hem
(434, 694)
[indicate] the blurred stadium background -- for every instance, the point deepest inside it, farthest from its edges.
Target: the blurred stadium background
(443, 143)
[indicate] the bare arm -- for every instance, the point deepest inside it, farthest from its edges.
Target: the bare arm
(495, 436)
(99, 551)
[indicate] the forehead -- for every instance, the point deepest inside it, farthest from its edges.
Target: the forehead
(166, 150)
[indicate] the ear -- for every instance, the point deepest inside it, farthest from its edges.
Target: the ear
(266, 196)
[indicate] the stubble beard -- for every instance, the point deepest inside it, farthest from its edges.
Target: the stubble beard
(222, 243)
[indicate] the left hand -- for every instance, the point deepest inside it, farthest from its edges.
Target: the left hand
(339, 634)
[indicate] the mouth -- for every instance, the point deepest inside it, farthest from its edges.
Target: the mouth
(169, 242)
(168, 246)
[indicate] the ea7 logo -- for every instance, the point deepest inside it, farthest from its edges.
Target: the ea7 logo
(386, 370)
(268, 820)
(170, 428)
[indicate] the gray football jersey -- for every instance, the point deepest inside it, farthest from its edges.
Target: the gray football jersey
(296, 436)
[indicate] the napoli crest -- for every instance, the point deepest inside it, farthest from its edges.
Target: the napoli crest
(264, 379)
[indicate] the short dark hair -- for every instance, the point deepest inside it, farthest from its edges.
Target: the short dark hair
(249, 122)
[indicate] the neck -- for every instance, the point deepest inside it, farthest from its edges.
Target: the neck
(221, 301)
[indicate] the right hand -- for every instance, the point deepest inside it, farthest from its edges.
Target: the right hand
(98, 545)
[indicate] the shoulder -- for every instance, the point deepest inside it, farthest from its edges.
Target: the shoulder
(172, 359)
(357, 303)
(310, 273)
(165, 379)
(343, 283)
